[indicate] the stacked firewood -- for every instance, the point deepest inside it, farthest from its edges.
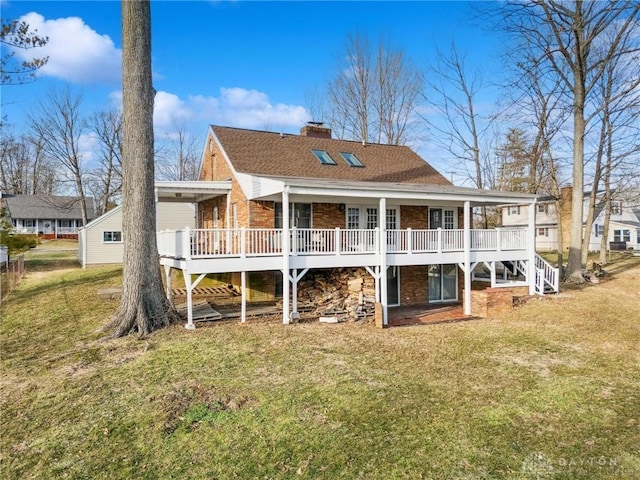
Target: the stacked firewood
(344, 293)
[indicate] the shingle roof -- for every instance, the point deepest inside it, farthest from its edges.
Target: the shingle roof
(273, 154)
(46, 207)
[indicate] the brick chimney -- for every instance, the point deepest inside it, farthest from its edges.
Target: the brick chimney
(315, 130)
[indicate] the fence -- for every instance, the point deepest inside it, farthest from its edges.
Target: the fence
(11, 272)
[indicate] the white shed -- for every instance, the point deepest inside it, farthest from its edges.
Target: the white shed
(100, 241)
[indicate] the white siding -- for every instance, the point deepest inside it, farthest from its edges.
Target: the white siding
(169, 216)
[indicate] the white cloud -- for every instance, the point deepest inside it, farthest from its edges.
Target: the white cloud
(169, 111)
(239, 107)
(76, 52)
(234, 107)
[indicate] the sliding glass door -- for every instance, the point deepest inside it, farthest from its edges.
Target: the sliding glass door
(443, 283)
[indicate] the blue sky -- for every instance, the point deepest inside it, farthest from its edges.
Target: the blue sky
(245, 64)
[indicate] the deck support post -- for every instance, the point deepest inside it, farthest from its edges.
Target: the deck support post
(187, 283)
(382, 248)
(285, 256)
(531, 248)
(189, 287)
(243, 296)
(467, 257)
(492, 272)
(295, 278)
(167, 282)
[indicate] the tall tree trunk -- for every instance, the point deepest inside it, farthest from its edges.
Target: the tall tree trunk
(604, 240)
(143, 307)
(593, 196)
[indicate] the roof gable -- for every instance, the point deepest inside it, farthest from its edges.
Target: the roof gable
(272, 154)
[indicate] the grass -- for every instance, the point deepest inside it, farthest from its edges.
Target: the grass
(549, 390)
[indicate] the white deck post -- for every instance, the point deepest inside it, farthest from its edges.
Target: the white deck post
(187, 283)
(167, 276)
(285, 256)
(467, 258)
(382, 242)
(531, 247)
(243, 296)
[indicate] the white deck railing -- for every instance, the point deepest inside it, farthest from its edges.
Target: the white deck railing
(206, 243)
(66, 230)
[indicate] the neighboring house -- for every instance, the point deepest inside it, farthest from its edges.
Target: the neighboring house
(624, 226)
(546, 221)
(100, 242)
(284, 208)
(46, 215)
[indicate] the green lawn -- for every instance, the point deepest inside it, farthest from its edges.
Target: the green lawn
(550, 390)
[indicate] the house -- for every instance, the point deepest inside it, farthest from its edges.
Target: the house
(282, 209)
(100, 241)
(624, 224)
(48, 216)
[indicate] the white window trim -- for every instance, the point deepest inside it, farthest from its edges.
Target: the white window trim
(111, 241)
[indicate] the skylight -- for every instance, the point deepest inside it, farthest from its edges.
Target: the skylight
(351, 159)
(324, 157)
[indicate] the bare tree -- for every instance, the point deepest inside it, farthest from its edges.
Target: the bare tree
(178, 158)
(569, 39)
(373, 97)
(59, 123)
(24, 168)
(106, 178)
(143, 306)
(455, 123)
(14, 36)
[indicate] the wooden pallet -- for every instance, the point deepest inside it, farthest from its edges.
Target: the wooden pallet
(202, 312)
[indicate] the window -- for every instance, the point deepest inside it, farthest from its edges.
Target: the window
(351, 159)
(392, 219)
(324, 157)
(299, 215)
(514, 210)
(353, 218)
(616, 208)
(543, 232)
(30, 223)
(448, 220)
(112, 237)
(599, 230)
(542, 208)
(617, 235)
(626, 235)
(372, 218)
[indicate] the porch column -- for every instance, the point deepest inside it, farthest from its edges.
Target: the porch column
(531, 247)
(382, 231)
(467, 257)
(285, 256)
(243, 296)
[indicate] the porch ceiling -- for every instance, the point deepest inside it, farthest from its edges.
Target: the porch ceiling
(190, 192)
(334, 191)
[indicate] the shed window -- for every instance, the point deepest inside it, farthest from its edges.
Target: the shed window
(351, 159)
(112, 237)
(324, 157)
